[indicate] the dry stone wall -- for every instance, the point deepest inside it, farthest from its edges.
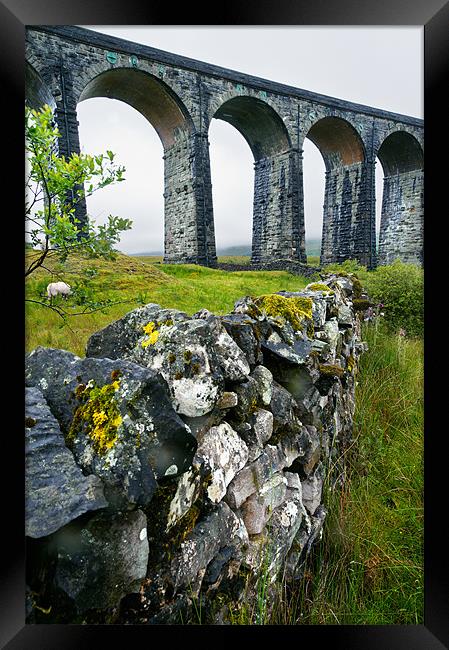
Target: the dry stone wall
(184, 456)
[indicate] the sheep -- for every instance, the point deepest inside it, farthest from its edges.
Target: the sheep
(58, 288)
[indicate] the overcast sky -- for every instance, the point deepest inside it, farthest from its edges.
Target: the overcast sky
(380, 66)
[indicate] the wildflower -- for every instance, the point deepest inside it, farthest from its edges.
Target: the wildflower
(369, 314)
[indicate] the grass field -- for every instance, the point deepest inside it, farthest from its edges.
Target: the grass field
(368, 569)
(134, 281)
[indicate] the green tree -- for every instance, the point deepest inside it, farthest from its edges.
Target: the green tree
(54, 185)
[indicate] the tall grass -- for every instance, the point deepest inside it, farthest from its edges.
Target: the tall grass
(368, 568)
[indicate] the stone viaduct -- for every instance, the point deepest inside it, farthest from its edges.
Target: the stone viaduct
(180, 96)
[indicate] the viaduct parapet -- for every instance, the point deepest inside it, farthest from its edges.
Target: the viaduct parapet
(180, 96)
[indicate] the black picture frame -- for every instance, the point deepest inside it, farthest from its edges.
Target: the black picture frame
(433, 15)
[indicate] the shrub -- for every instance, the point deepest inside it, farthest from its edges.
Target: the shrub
(399, 288)
(348, 266)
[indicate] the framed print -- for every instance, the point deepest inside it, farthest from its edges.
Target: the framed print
(196, 234)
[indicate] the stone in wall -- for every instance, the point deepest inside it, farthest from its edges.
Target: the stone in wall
(56, 490)
(101, 562)
(225, 453)
(115, 340)
(195, 356)
(116, 418)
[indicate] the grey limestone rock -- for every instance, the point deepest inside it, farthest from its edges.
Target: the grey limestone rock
(248, 307)
(225, 453)
(284, 524)
(311, 489)
(293, 446)
(116, 340)
(322, 348)
(102, 561)
(273, 459)
(242, 329)
(257, 509)
(263, 425)
(285, 409)
(56, 490)
(210, 534)
(272, 547)
(295, 354)
(187, 491)
(252, 476)
(331, 334)
(304, 466)
(309, 532)
(256, 431)
(264, 380)
(195, 357)
(345, 284)
(345, 316)
(147, 439)
(204, 314)
(297, 380)
(319, 311)
(227, 400)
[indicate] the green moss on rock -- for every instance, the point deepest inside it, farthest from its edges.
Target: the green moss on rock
(361, 304)
(350, 364)
(184, 526)
(357, 288)
(330, 370)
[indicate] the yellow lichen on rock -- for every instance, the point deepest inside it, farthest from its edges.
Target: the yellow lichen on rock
(293, 309)
(152, 333)
(149, 328)
(319, 286)
(98, 415)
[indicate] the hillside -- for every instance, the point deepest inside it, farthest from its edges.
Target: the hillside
(130, 281)
(313, 247)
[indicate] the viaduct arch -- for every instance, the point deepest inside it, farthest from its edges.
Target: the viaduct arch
(402, 217)
(180, 96)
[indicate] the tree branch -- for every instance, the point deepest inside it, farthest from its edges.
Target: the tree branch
(88, 310)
